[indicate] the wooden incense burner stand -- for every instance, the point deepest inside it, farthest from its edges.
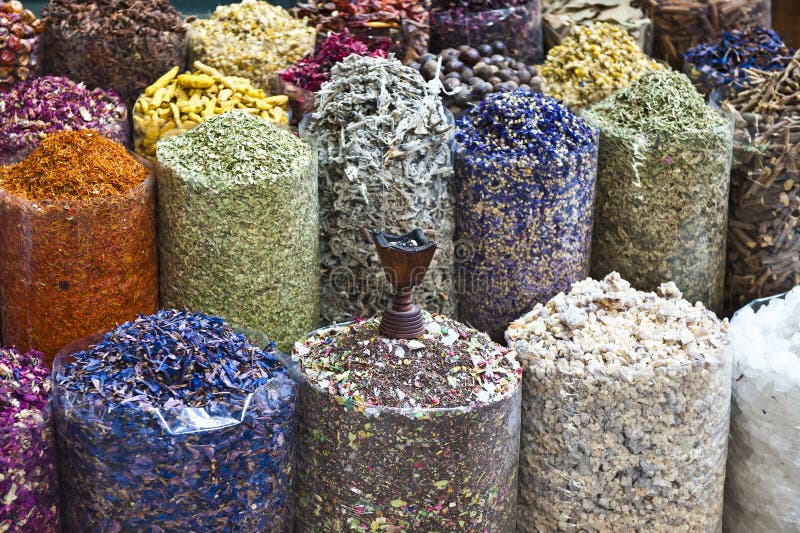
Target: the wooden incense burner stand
(405, 260)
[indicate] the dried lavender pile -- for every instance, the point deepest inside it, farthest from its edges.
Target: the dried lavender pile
(625, 411)
(763, 243)
(27, 448)
(525, 168)
(662, 187)
(763, 472)
(173, 422)
(384, 142)
(407, 435)
(30, 110)
(113, 43)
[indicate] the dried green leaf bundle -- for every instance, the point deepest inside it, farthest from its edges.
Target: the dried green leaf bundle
(558, 16)
(662, 187)
(113, 43)
(77, 241)
(407, 435)
(763, 242)
(238, 225)
(625, 409)
(385, 143)
(251, 39)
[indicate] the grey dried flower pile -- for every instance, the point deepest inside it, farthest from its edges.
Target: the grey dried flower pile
(385, 142)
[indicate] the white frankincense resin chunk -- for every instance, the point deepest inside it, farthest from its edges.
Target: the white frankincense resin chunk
(763, 484)
(625, 410)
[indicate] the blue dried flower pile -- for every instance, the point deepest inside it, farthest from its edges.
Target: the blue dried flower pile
(724, 63)
(174, 422)
(525, 173)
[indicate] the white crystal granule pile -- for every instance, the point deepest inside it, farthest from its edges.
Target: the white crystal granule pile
(763, 477)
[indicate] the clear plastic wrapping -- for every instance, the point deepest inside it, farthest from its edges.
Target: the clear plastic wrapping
(763, 248)
(245, 250)
(622, 437)
(661, 210)
(559, 15)
(681, 24)
(408, 42)
(762, 487)
(372, 468)
(71, 267)
(523, 232)
(111, 64)
(409, 185)
(519, 27)
(29, 481)
(223, 467)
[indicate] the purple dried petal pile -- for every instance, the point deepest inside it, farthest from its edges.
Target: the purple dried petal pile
(31, 110)
(27, 450)
(315, 69)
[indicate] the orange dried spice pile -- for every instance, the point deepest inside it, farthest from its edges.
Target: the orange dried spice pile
(74, 165)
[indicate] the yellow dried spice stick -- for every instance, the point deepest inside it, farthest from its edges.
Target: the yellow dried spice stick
(177, 102)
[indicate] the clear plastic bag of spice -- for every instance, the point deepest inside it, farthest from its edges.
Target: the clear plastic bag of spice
(523, 232)
(225, 466)
(662, 210)
(519, 27)
(70, 267)
(681, 24)
(243, 248)
(408, 41)
(20, 43)
(29, 480)
(122, 60)
(761, 484)
(369, 468)
(27, 140)
(638, 451)
(413, 188)
(632, 434)
(763, 256)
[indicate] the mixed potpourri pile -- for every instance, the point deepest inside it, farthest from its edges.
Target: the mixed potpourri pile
(191, 300)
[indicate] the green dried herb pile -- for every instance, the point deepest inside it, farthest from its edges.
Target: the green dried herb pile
(662, 188)
(238, 223)
(384, 142)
